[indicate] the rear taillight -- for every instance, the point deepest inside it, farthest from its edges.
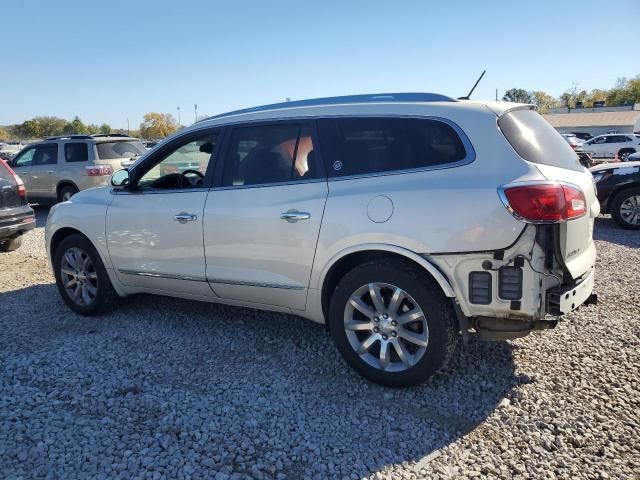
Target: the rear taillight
(99, 170)
(544, 202)
(22, 192)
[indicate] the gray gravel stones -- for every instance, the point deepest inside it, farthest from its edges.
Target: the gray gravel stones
(165, 388)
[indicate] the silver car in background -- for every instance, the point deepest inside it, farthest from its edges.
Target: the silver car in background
(400, 221)
(57, 168)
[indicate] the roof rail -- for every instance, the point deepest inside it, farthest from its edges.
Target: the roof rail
(76, 136)
(122, 135)
(345, 99)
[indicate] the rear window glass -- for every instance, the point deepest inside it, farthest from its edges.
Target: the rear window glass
(356, 146)
(119, 149)
(76, 152)
(535, 140)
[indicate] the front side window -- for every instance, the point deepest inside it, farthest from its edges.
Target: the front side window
(264, 154)
(25, 158)
(184, 167)
(355, 146)
(599, 140)
(76, 152)
(46, 155)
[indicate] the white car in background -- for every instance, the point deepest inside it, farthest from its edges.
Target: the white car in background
(573, 141)
(612, 145)
(400, 221)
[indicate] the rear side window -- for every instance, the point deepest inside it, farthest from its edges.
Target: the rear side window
(535, 140)
(76, 152)
(269, 154)
(107, 150)
(356, 146)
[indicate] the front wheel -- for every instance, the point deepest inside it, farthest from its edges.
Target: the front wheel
(81, 277)
(392, 324)
(625, 208)
(66, 193)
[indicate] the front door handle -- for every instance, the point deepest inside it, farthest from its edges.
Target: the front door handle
(293, 216)
(185, 217)
(50, 171)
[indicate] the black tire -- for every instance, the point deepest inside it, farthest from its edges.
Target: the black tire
(438, 312)
(106, 297)
(10, 244)
(623, 155)
(66, 192)
(616, 205)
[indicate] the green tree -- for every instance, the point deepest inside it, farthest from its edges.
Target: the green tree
(49, 125)
(518, 95)
(105, 129)
(92, 129)
(5, 134)
(543, 101)
(158, 125)
(30, 129)
(75, 126)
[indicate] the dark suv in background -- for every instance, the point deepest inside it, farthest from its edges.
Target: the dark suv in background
(16, 217)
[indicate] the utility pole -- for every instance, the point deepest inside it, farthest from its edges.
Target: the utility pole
(179, 123)
(496, 94)
(128, 130)
(195, 109)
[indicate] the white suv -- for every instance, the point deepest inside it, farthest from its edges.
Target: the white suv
(612, 145)
(400, 221)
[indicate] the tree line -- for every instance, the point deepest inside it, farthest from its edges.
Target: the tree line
(155, 125)
(625, 92)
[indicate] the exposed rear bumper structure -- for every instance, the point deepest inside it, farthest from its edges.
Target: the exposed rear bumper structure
(16, 224)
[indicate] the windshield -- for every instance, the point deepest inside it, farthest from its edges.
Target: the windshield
(120, 149)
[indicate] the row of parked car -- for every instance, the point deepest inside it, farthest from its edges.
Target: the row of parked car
(397, 220)
(623, 147)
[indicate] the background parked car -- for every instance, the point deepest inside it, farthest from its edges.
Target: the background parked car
(16, 217)
(583, 135)
(619, 192)
(572, 140)
(55, 169)
(610, 146)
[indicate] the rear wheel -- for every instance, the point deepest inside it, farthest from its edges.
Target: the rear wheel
(625, 208)
(10, 244)
(623, 155)
(81, 278)
(66, 193)
(391, 323)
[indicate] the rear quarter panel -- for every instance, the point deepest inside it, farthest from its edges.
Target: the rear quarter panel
(432, 211)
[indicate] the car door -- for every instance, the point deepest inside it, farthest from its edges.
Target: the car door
(263, 219)
(598, 146)
(22, 166)
(154, 227)
(43, 171)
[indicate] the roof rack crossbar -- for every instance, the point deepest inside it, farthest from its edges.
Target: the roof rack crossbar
(346, 99)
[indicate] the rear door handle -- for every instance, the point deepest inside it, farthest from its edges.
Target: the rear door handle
(50, 171)
(293, 216)
(185, 217)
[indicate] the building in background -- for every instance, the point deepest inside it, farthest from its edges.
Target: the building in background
(597, 120)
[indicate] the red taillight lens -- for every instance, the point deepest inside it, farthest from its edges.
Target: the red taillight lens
(22, 192)
(545, 203)
(99, 170)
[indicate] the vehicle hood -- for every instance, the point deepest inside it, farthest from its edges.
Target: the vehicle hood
(611, 166)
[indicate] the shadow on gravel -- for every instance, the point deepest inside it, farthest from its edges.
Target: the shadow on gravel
(608, 231)
(41, 212)
(218, 389)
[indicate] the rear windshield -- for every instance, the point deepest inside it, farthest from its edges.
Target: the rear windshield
(121, 149)
(536, 141)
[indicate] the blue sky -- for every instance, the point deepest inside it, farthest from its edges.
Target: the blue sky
(109, 60)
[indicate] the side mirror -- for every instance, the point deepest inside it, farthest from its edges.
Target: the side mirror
(120, 178)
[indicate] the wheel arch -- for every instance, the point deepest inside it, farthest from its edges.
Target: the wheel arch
(348, 259)
(64, 183)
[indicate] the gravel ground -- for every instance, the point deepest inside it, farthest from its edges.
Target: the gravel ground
(168, 388)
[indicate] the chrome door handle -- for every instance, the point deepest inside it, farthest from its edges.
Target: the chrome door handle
(185, 217)
(50, 171)
(293, 216)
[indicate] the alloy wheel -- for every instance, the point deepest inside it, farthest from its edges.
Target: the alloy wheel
(79, 276)
(630, 210)
(386, 327)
